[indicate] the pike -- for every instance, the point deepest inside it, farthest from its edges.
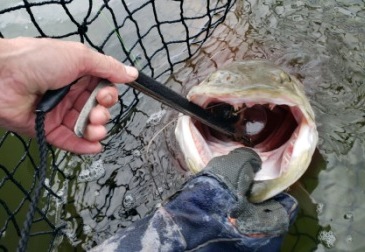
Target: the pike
(270, 107)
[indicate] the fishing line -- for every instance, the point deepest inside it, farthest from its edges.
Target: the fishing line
(159, 132)
(148, 157)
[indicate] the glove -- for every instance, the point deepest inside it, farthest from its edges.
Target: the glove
(237, 170)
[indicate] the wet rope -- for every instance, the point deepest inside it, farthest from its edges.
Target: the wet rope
(41, 140)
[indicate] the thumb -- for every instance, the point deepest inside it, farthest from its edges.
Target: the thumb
(106, 67)
(237, 169)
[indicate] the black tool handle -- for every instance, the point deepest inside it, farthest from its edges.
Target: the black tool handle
(156, 90)
(174, 100)
(51, 98)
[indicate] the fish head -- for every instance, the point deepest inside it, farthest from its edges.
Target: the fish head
(270, 107)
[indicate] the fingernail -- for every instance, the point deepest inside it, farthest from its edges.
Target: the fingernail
(108, 99)
(131, 71)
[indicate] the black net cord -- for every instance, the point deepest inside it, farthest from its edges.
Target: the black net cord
(41, 139)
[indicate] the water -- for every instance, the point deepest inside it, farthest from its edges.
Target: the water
(323, 44)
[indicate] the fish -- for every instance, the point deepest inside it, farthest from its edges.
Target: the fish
(270, 107)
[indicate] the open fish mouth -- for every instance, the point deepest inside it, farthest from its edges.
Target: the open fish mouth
(271, 129)
(269, 107)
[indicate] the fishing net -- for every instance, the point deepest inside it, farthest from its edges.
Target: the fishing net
(88, 198)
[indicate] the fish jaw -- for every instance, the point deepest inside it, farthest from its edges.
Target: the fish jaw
(297, 156)
(192, 144)
(281, 166)
(297, 164)
(196, 150)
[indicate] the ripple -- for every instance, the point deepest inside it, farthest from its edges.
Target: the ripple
(327, 238)
(93, 172)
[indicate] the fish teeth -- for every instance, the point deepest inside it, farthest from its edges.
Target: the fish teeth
(286, 158)
(250, 104)
(237, 107)
(271, 106)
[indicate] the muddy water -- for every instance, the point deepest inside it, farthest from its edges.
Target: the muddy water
(322, 43)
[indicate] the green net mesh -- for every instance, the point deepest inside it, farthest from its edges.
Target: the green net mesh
(88, 198)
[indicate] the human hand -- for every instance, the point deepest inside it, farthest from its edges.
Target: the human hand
(29, 67)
